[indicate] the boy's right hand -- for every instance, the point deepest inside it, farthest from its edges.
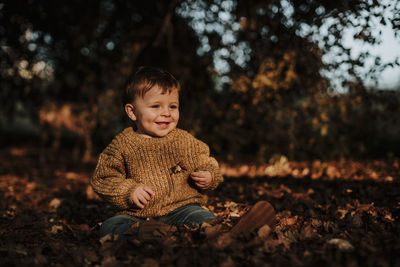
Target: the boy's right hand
(141, 196)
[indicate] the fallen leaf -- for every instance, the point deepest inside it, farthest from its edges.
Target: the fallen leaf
(30, 187)
(341, 244)
(289, 221)
(90, 194)
(228, 262)
(211, 231)
(234, 214)
(56, 228)
(307, 253)
(149, 262)
(273, 244)
(389, 179)
(55, 203)
(107, 238)
(154, 230)
(223, 241)
(264, 232)
(40, 260)
(356, 219)
(84, 227)
(110, 262)
(307, 232)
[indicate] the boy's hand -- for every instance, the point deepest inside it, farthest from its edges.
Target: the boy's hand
(141, 196)
(202, 179)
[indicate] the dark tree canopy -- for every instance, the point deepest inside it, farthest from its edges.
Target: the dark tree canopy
(253, 69)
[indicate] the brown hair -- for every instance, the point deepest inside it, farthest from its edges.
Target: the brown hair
(146, 78)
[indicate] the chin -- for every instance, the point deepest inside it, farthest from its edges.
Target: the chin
(161, 134)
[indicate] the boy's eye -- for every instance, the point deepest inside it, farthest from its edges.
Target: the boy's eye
(174, 106)
(155, 106)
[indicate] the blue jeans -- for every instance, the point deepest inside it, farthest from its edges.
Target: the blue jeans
(190, 215)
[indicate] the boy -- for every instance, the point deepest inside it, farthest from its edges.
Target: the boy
(157, 170)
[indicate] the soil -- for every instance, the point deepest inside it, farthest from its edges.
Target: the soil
(338, 213)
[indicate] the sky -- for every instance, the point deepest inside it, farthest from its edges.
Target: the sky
(389, 49)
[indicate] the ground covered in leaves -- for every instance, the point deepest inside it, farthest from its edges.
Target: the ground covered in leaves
(341, 213)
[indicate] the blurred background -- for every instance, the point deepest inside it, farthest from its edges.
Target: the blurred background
(306, 79)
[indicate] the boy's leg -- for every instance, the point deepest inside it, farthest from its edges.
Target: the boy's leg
(117, 225)
(190, 215)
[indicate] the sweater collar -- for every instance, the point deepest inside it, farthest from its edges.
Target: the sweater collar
(138, 138)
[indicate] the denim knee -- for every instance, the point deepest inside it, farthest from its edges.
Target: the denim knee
(117, 225)
(190, 214)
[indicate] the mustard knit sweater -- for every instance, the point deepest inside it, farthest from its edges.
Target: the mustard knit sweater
(163, 164)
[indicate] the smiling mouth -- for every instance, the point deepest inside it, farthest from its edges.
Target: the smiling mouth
(163, 124)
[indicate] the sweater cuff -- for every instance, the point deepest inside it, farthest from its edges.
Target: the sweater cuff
(123, 193)
(217, 177)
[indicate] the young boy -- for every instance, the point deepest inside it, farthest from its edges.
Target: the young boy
(158, 170)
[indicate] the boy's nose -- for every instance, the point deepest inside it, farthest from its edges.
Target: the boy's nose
(165, 112)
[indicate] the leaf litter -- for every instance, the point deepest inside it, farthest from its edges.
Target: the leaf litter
(333, 213)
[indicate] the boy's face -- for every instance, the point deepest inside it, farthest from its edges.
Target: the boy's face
(156, 114)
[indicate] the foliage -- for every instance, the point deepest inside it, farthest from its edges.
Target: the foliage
(84, 52)
(280, 100)
(255, 75)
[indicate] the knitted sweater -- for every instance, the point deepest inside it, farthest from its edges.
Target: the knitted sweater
(164, 164)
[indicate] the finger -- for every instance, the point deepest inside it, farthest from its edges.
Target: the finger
(145, 194)
(149, 190)
(201, 185)
(198, 173)
(197, 178)
(143, 200)
(138, 204)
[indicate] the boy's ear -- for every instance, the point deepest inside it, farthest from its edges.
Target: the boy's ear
(130, 111)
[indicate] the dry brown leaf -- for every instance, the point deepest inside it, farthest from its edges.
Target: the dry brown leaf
(288, 221)
(341, 244)
(307, 253)
(223, 241)
(107, 238)
(211, 231)
(388, 216)
(90, 194)
(110, 261)
(273, 244)
(264, 232)
(228, 262)
(55, 203)
(56, 228)
(332, 172)
(149, 262)
(308, 232)
(84, 227)
(154, 230)
(389, 179)
(342, 212)
(30, 187)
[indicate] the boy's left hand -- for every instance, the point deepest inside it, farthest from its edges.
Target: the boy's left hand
(202, 179)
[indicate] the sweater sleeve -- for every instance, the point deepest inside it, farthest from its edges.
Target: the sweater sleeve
(208, 163)
(109, 178)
